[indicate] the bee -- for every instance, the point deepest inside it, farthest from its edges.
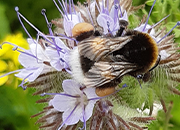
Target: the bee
(102, 61)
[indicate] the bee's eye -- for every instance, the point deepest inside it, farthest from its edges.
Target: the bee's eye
(140, 76)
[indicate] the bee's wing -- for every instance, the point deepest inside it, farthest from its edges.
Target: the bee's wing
(104, 70)
(106, 73)
(98, 47)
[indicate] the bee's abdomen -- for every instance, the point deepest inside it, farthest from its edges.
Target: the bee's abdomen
(141, 50)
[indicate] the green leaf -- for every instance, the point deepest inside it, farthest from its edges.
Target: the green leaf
(4, 26)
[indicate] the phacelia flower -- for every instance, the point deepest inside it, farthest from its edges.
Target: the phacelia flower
(109, 20)
(76, 104)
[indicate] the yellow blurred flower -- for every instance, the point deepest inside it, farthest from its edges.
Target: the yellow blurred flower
(8, 56)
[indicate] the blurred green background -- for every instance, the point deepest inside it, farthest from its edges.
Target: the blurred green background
(16, 105)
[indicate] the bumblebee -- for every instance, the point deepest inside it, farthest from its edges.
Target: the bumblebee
(101, 61)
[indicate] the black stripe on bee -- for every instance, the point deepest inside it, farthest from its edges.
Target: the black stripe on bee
(86, 63)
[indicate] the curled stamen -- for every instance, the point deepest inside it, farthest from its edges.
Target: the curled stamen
(149, 15)
(18, 15)
(21, 16)
(23, 82)
(16, 48)
(49, 25)
(11, 45)
(177, 24)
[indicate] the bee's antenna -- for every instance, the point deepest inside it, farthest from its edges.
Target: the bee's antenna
(157, 63)
(123, 24)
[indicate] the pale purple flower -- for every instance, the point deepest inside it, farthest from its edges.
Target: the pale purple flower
(109, 21)
(58, 55)
(75, 102)
(70, 18)
(70, 21)
(33, 62)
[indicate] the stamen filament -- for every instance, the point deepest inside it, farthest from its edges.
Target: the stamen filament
(97, 6)
(21, 16)
(12, 72)
(27, 54)
(12, 45)
(107, 5)
(43, 12)
(149, 15)
(49, 27)
(68, 117)
(64, 7)
(64, 94)
(160, 21)
(157, 23)
(23, 82)
(73, 6)
(177, 24)
(70, 11)
(89, 14)
(17, 47)
(84, 121)
(58, 8)
(120, 10)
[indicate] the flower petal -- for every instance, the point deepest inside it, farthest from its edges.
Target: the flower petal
(34, 73)
(73, 116)
(38, 51)
(70, 22)
(62, 103)
(28, 61)
(71, 87)
(90, 93)
(106, 22)
(88, 110)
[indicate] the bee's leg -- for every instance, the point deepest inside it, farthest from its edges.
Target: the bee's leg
(123, 24)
